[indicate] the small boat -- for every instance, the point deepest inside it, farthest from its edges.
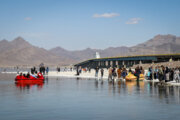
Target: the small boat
(30, 79)
(141, 77)
(131, 77)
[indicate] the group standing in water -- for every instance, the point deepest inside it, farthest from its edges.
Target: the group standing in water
(163, 73)
(121, 72)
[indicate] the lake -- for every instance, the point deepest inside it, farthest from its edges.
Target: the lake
(61, 98)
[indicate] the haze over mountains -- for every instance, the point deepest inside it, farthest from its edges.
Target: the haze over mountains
(20, 52)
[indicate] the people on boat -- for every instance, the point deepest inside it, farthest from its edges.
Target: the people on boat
(29, 76)
(20, 74)
(35, 76)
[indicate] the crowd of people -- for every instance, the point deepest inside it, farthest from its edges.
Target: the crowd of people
(160, 73)
(121, 72)
(164, 73)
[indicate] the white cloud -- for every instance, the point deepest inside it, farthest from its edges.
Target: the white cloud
(133, 21)
(28, 18)
(106, 15)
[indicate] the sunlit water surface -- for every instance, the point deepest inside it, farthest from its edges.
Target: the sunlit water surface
(87, 99)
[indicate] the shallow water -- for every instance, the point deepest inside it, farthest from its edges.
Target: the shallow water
(87, 99)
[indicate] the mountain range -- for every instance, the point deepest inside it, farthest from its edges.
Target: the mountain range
(20, 52)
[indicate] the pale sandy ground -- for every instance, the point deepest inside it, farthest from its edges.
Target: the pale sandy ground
(82, 75)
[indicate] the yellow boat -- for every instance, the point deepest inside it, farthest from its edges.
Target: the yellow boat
(141, 77)
(131, 77)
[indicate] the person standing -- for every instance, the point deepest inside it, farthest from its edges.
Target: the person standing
(160, 72)
(156, 73)
(47, 70)
(167, 74)
(110, 73)
(77, 71)
(114, 73)
(102, 73)
(119, 73)
(137, 72)
(96, 71)
(141, 70)
(124, 73)
(176, 75)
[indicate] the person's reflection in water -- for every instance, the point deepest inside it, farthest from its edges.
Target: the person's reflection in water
(96, 83)
(102, 82)
(78, 78)
(28, 87)
(138, 86)
(46, 80)
(169, 94)
(119, 87)
(112, 87)
(164, 93)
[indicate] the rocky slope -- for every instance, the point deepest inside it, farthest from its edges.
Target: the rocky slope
(160, 44)
(20, 52)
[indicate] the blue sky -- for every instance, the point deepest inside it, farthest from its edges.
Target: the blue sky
(78, 24)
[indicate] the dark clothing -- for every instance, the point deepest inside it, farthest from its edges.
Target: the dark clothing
(102, 72)
(97, 70)
(137, 73)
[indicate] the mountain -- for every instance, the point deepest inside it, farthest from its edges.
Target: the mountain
(160, 44)
(20, 52)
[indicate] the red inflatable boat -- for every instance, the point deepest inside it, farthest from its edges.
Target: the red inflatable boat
(31, 79)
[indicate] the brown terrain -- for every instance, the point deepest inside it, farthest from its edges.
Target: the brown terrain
(160, 44)
(20, 52)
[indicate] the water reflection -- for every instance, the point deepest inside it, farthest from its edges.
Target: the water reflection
(167, 94)
(69, 98)
(149, 90)
(126, 86)
(27, 85)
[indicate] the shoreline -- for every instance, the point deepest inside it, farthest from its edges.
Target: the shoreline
(89, 75)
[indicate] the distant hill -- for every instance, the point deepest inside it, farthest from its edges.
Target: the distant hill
(20, 52)
(160, 44)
